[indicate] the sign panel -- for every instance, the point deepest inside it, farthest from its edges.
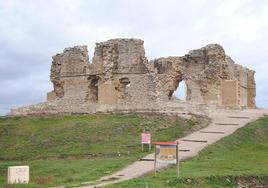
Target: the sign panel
(18, 174)
(166, 154)
(145, 138)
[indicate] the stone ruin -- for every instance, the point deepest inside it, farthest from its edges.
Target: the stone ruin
(120, 79)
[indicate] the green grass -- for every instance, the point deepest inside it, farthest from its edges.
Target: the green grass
(197, 182)
(46, 173)
(242, 155)
(65, 150)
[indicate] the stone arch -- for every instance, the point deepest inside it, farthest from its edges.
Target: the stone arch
(181, 91)
(174, 85)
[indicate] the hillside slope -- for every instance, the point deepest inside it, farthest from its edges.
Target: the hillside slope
(70, 149)
(239, 160)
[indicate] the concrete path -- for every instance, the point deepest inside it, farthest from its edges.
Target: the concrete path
(223, 124)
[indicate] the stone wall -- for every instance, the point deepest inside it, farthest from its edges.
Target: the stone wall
(120, 78)
(229, 93)
(204, 71)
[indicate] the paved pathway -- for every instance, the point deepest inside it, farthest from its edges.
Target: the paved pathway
(223, 124)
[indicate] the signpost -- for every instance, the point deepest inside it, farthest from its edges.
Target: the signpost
(167, 153)
(146, 139)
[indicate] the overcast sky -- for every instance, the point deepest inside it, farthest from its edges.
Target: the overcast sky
(31, 31)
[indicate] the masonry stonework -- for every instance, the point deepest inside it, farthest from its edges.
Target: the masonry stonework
(121, 79)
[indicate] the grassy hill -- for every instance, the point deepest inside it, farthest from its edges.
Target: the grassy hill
(239, 160)
(65, 150)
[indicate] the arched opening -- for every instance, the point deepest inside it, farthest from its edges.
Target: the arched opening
(181, 91)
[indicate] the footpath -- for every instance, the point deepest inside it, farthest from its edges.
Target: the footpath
(223, 124)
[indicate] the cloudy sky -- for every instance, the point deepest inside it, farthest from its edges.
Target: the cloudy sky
(31, 31)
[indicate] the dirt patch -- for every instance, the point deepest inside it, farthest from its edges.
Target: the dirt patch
(251, 182)
(43, 180)
(110, 179)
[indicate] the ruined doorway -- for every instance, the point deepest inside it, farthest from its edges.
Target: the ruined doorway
(181, 91)
(124, 83)
(92, 93)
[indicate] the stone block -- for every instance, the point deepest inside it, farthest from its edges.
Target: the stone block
(18, 174)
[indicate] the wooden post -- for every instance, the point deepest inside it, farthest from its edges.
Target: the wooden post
(155, 160)
(150, 143)
(178, 162)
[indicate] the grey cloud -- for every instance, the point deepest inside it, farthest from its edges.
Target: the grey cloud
(31, 31)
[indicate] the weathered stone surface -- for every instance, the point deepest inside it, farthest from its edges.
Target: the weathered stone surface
(68, 72)
(121, 79)
(204, 71)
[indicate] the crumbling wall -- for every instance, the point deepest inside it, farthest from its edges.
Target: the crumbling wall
(169, 73)
(68, 74)
(124, 70)
(205, 71)
(121, 78)
(56, 78)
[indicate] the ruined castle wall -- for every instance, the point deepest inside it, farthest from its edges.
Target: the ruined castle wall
(205, 71)
(121, 78)
(168, 75)
(68, 74)
(199, 71)
(123, 64)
